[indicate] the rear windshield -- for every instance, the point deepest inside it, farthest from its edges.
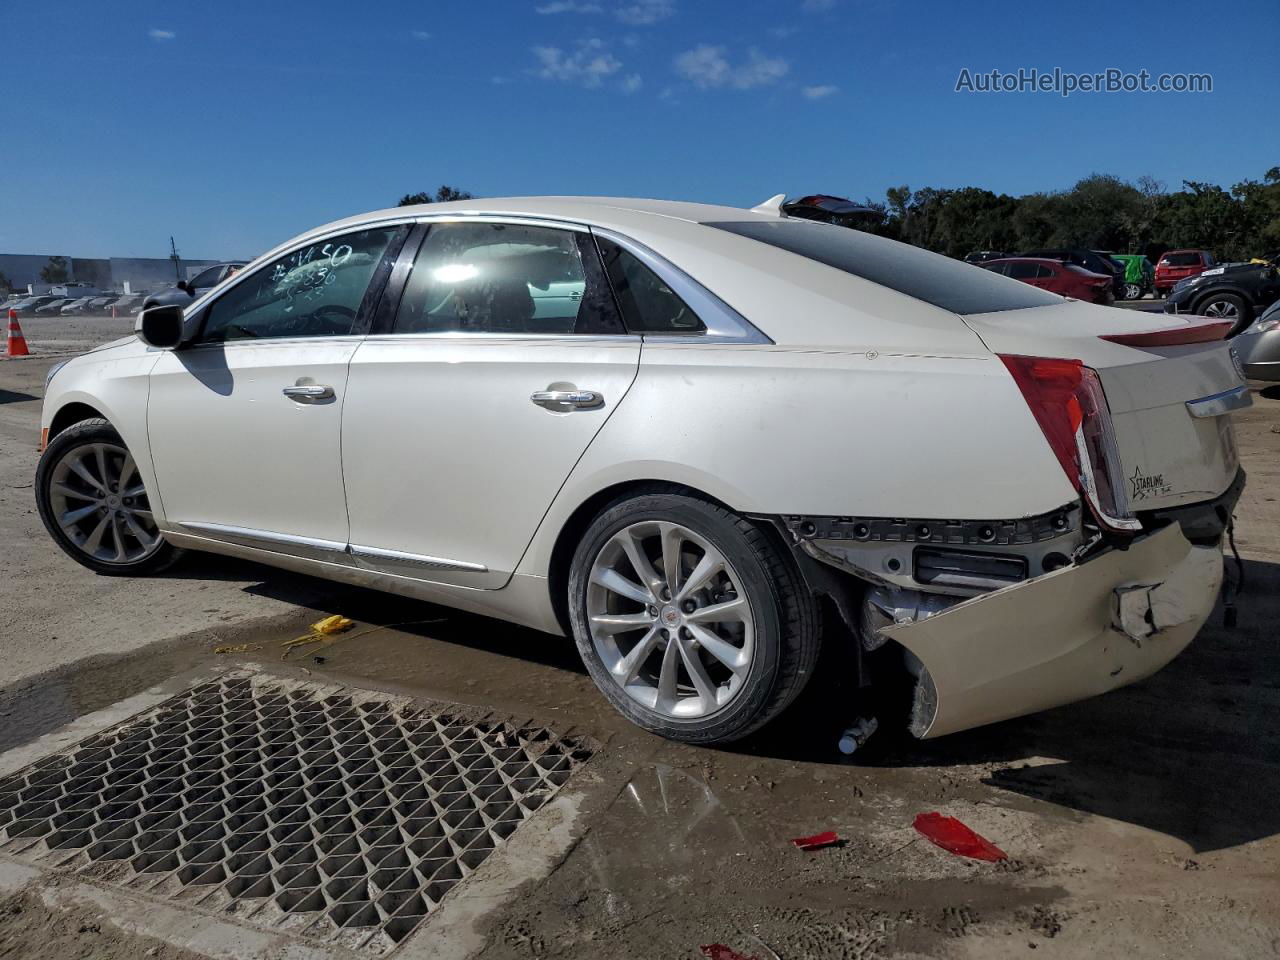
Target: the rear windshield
(1182, 259)
(959, 287)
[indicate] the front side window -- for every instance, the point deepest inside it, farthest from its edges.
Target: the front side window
(506, 278)
(314, 291)
(648, 304)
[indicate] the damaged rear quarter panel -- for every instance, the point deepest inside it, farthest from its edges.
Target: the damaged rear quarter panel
(1056, 639)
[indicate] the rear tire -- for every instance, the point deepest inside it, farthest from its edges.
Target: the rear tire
(730, 674)
(93, 503)
(1132, 291)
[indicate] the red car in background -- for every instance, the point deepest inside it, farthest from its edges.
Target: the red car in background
(1178, 265)
(1055, 276)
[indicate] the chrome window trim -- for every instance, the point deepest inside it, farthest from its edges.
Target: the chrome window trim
(724, 324)
(516, 220)
(352, 338)
(415, 559)
(466, 336)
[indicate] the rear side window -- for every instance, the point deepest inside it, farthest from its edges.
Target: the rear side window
(959, 287)
(507, 278)
(648, 304)
(1025, 271)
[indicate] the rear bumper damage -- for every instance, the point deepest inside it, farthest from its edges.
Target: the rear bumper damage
(1069, 634)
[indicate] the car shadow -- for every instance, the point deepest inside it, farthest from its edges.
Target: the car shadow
(417, 618)
(1192, 752)
(13, 396)
(1271, 393)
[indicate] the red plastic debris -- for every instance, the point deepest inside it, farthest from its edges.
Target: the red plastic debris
(718, 951)
(817, 841)
(954, 837)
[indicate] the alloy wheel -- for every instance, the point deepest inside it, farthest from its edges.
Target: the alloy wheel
(99, 502)
(669, 619)
(1132, 291)
(1222, 308)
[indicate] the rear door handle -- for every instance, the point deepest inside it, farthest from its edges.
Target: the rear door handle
(567, 398)
(307, 392)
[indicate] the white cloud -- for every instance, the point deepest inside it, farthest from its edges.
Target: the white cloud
(820, 91)
(816, 6)
(707, 67)
(160, 36)
(588, 65)
(783, 32)
(420, 35)
(643, 12)
(568, 6)
(632, 83)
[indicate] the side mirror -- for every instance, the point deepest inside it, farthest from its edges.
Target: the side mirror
(161, 327)
(185, 288)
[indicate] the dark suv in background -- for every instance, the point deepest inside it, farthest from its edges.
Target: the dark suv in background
(1089, 260)
(1232, 291)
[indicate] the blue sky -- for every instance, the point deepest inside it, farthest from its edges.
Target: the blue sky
(235, 125)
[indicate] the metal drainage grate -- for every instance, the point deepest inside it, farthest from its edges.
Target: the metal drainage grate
(341, 816)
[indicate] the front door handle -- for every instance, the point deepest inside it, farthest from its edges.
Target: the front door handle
(553, 399)
(308, 392)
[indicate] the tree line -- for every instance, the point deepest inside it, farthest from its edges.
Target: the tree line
(1101, 212)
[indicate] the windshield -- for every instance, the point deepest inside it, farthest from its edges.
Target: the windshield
(950, 284)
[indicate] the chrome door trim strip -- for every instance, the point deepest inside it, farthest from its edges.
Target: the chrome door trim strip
(265, 538)
(1215, 405)
(415, 559)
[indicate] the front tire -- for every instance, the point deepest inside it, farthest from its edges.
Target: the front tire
(693, 622)
(94, 505)
(1132, 291)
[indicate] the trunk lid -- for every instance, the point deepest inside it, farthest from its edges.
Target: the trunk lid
(1169, 456)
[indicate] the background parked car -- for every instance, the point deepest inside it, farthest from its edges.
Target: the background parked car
(982, 256)
(1139, 274)
(53, 306)
(187, 290)
(1178, 265)
(74, 307)
(101, 305)
(1057, 277)
(1259, 346)
(1090, 260)
(122, 306)
(1233, 291)
(32, 304)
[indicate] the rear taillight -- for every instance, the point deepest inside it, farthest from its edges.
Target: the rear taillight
(1067, 401)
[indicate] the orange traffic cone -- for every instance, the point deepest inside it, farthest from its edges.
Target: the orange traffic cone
(17, 346)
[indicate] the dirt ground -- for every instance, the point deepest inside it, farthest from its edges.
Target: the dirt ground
(1141, 823)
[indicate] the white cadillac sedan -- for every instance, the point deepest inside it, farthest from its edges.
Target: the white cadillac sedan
(677, 432)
